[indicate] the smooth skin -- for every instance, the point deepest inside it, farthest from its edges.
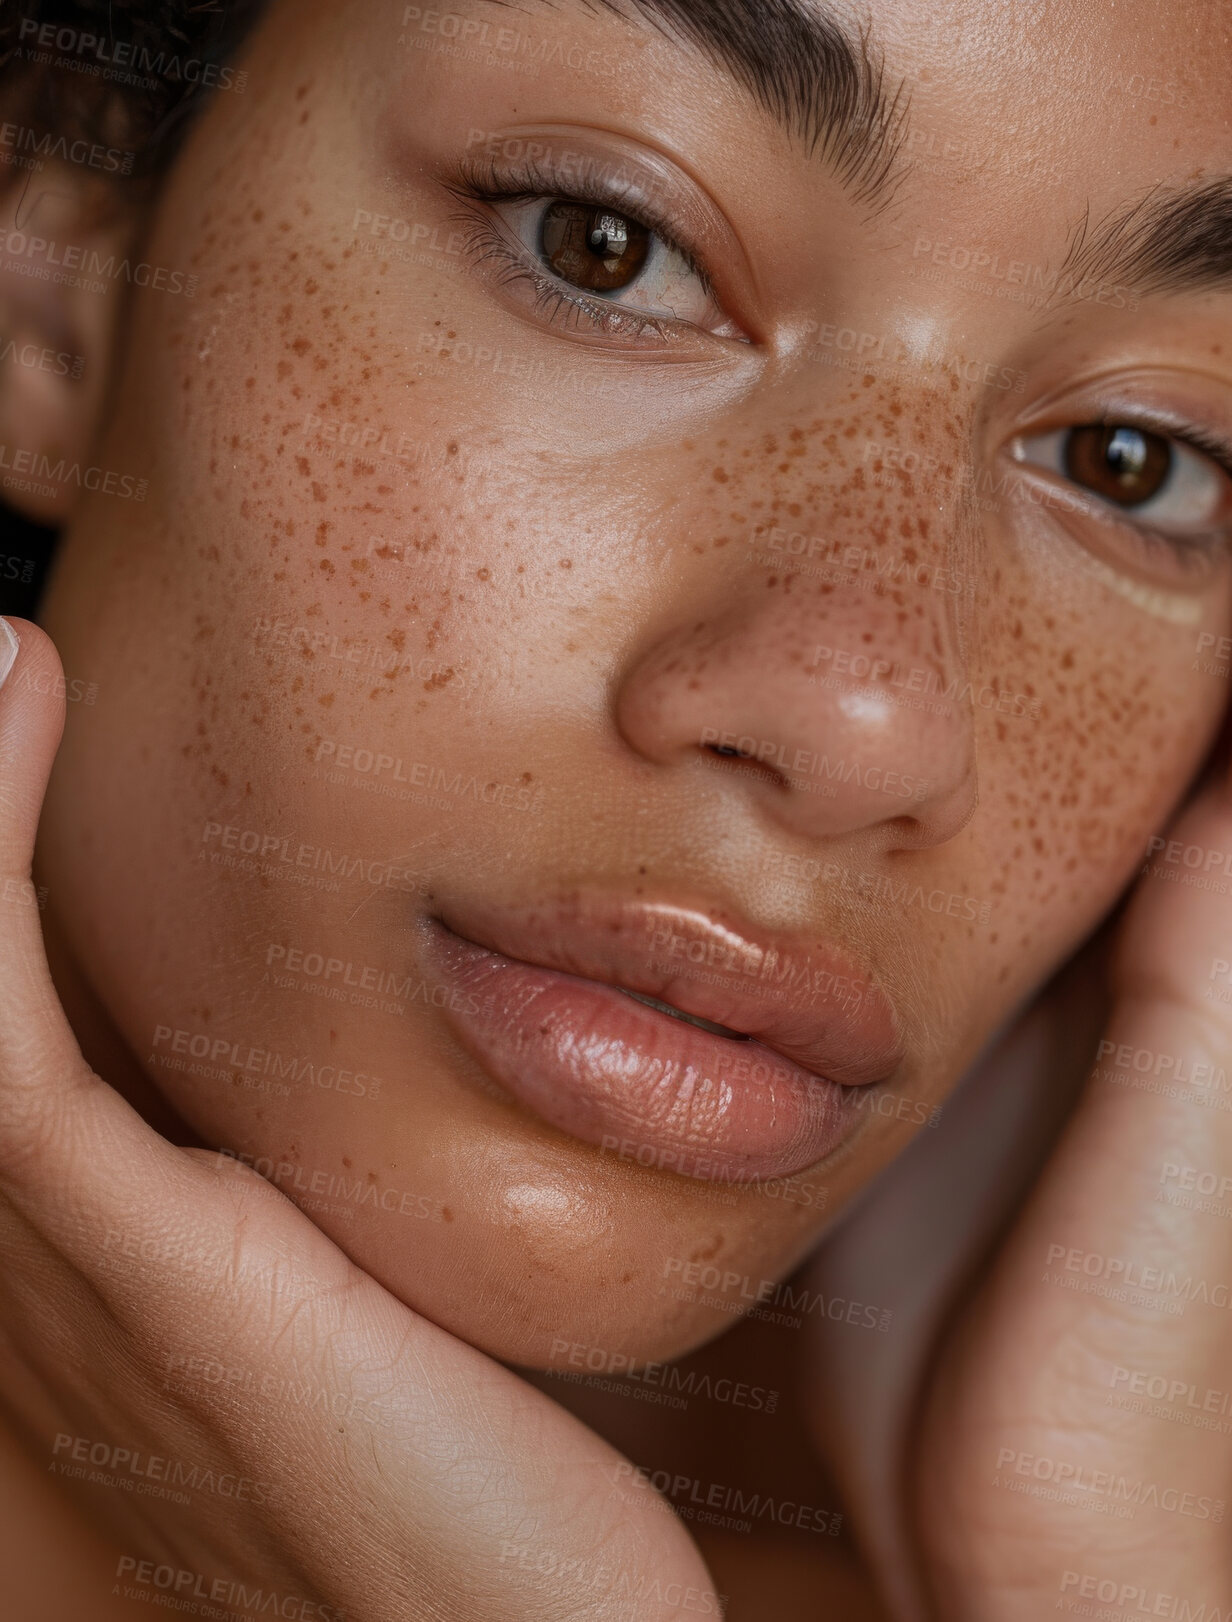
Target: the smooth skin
(409, 1524)
(598, 603)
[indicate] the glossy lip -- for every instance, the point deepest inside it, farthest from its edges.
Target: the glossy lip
(537, 995)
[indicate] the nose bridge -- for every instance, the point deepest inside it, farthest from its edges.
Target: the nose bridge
(832, 649)
(877, 643)
(859, 530)
(874, 494)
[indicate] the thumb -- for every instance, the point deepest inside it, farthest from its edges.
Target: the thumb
(31, 724)
(32, 1028)
(41, 1066)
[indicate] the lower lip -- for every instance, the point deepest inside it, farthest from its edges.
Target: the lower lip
(614, 1073)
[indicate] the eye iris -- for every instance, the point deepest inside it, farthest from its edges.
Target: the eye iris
(1121, 464)
(592, 247)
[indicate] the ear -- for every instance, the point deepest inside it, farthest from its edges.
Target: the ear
(58, 320)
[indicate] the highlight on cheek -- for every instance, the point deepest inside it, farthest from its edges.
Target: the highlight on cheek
(612, 768)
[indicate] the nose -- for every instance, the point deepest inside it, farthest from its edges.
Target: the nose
(839, 707)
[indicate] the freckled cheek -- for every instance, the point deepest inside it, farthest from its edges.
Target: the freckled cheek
(1122, 725)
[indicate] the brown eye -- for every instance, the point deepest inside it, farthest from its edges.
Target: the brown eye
(1121, 464)
(593, 248)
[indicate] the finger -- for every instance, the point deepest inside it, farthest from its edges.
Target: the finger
(38, 1053)
(912, 1243)
(72, 1152)
(1158, 1106)
(126, 1209)
(1107, 1286)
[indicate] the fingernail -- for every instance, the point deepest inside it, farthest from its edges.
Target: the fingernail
(8, 649)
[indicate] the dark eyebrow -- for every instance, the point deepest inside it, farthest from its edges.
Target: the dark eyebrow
(1177, 241)
(822, 83)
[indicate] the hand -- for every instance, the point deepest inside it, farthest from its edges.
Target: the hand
(1023, 1462)
(173, 1319)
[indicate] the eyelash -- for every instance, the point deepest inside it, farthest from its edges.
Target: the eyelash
(1198, 439)
(1191, 552)
(485, 183)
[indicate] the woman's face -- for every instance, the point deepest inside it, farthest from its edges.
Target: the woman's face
(628, 515)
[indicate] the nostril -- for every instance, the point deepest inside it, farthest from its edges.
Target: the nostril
(745, 761)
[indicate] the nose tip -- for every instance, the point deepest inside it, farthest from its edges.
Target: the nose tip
(853, 764)
(865, 728)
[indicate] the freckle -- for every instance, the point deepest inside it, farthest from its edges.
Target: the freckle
(720, 475)
(483, 574)
(446, 1214)
(566, 563)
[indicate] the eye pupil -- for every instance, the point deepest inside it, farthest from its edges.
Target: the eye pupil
(609, 239)
(593, 248)
(1122, 464)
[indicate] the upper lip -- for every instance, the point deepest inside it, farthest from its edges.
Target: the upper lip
(809, 1001)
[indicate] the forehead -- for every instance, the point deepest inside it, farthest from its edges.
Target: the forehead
(1107, 92)
(1092, 96)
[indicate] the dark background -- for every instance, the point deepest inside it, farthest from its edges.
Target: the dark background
(25, 559)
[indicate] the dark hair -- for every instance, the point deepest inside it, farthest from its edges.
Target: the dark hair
(60, 67)
(127, 74)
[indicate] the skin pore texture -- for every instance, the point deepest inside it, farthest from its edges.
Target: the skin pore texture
(397, 512)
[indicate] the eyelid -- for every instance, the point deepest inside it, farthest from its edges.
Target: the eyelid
(491, 239)
(1187, 462)
(1130, 547)
(525, 184)
(1196, 442)
(1132, 397)
(611, 169)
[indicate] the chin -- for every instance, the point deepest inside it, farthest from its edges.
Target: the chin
(540, 1254)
